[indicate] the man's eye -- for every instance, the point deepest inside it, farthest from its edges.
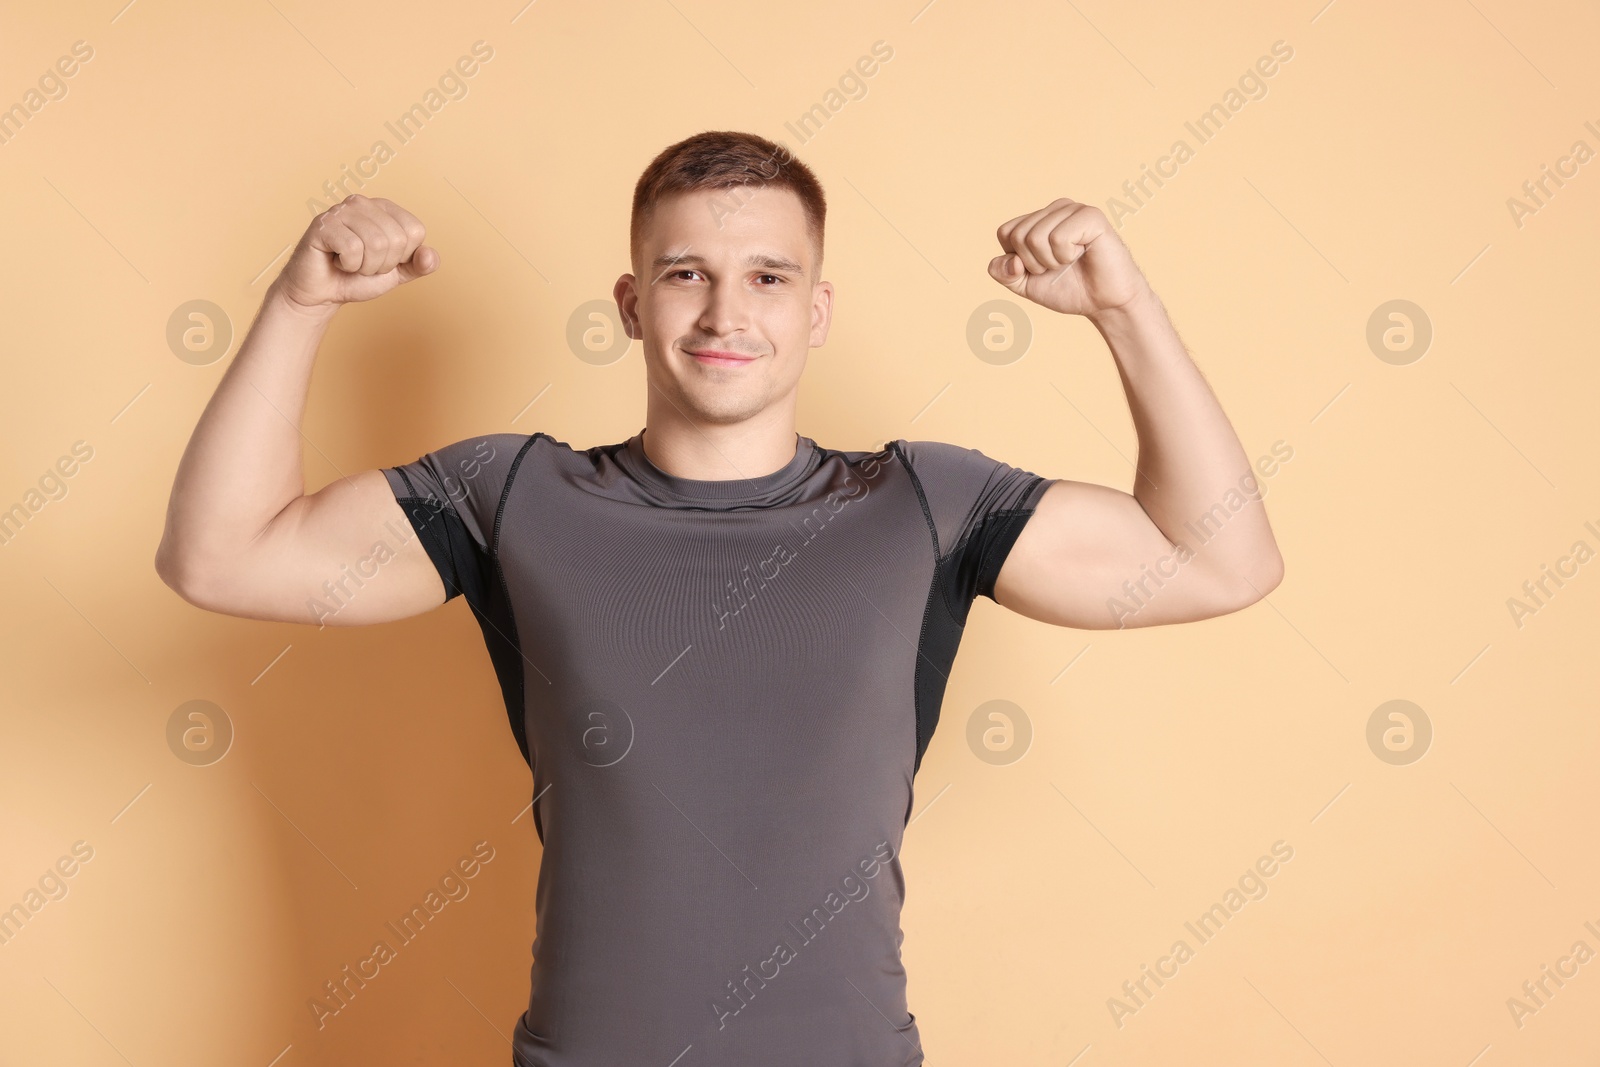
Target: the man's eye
(690, 270)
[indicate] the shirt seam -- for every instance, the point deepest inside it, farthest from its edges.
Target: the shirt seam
(922, 498)
(515, 637)
(919, 743)
(505, 494)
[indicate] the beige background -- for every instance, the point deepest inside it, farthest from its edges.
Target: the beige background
(1164, 761)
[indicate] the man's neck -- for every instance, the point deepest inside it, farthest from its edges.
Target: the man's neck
(720, 451)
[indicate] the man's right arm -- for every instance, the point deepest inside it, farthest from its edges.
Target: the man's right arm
(242, 536)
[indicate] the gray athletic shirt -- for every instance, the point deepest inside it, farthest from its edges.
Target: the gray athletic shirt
(723, 689)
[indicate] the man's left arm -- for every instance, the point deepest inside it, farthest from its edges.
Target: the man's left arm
(1192, 540)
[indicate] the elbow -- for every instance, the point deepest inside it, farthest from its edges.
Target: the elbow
(1241, 587)
(1268, 576)
(178, 570)
(166, 566)
(170, 569)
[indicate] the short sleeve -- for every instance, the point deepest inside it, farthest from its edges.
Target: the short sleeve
(452, 498)
(977, 507)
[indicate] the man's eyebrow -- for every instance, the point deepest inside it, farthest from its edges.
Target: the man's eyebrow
(767, 260)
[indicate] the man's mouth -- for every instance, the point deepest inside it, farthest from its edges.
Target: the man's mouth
(720, 357)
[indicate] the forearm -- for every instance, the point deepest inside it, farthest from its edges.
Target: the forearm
(1193, 477)
(243, 464)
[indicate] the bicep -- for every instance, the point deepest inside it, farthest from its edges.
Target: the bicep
(1090, 557)
(346, 555)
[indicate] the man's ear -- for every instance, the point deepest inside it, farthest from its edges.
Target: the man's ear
(627, 298)
(821, 313)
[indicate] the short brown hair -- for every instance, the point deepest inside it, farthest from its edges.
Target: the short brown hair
(727, 159)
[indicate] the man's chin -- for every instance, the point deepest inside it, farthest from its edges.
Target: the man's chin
(726, 417)
(705, 399)
(720, 410)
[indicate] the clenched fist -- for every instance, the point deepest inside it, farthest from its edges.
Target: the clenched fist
(1068, 258)
(358, 249)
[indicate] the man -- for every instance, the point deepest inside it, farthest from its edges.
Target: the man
(721, 645)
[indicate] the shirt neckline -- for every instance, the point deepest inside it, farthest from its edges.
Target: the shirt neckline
(712, 492)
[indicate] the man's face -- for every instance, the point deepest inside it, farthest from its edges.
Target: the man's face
(728, 273)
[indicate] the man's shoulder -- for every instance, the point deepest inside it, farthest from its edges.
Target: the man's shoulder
(940, 460)
(506, 447)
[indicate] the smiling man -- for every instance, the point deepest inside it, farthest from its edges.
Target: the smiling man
(722, 646)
